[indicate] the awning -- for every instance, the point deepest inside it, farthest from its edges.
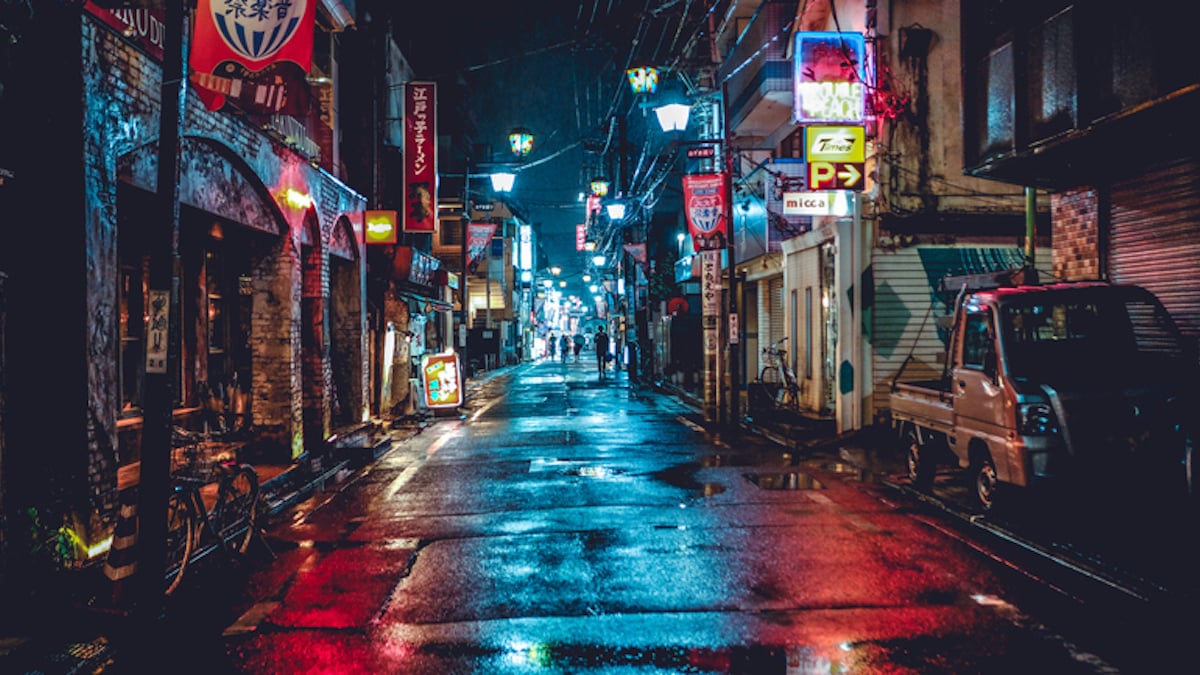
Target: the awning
(424, 304)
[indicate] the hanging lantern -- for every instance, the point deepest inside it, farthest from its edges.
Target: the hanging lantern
(643, 79)
(520, 141)
(599, 187)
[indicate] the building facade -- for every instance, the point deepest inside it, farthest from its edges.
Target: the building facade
(269, 273)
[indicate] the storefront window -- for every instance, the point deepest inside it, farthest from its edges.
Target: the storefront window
(132, 331)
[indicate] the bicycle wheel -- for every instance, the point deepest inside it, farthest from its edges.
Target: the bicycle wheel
(236, 508)
(182, 532)
(770, 375)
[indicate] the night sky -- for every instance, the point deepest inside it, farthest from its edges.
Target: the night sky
(552, 66)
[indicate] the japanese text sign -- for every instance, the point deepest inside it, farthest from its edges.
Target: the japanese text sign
(420, 157)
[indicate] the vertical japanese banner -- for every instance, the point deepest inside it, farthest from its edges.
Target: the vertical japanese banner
(581, 237)
(257, 54)
(704, 202)
(420, 157)
(479, 235)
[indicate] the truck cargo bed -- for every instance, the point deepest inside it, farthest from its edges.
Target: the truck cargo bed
(927, 403)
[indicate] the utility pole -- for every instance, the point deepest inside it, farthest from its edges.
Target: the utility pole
(162, 359)
(464, 324)
(732, 339)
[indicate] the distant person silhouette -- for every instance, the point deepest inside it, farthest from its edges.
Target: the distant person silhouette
(601, 340)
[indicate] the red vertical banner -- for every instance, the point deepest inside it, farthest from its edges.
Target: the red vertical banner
(420, 157)
(256, 54)
(581, 237)
(479, 235)
(704, 202)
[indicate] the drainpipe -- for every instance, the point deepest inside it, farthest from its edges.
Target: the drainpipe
(1030, 225)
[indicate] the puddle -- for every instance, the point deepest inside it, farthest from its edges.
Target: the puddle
(683, 476)
(593, 472)
(747, 459)
(785, 481)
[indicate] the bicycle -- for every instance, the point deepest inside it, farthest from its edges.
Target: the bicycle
(193, 528)
(778, 375)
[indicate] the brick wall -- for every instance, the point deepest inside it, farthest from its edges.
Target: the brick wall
(1075, 232)
(231, 168)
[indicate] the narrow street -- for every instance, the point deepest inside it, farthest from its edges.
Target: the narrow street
(566, 524)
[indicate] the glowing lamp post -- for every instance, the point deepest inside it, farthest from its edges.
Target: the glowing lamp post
(616, 210)
(503, 181)
(673, 116)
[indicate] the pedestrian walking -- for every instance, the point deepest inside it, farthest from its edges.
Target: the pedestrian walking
(601, 351)
(578, 347)
(564, 346)
(552, 345)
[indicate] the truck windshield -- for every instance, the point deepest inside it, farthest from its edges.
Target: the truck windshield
(1080, 332)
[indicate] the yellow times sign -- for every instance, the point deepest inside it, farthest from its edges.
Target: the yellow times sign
(837, 144)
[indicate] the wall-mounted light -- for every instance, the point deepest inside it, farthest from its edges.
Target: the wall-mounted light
(296, 199)
(616, 210)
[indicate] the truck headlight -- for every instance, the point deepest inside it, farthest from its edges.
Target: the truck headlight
(1036, 419)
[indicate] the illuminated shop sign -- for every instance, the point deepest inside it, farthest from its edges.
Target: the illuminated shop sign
(441, 380)
(828, 77)
(380, 227)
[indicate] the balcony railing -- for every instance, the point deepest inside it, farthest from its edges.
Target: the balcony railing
(758, 76)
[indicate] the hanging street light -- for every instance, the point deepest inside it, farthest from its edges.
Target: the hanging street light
(673, 116)
(616, 210)
(503, 181)
(520, 141)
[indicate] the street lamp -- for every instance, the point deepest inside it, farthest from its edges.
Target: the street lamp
(503, 181)
(717, 310)
(616, 210)
(673, 116)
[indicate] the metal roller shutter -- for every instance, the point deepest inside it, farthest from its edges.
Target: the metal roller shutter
(1154, 237)
(907, 306)
(777, 326)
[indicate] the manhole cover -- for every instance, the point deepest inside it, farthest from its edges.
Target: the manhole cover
(785, 481)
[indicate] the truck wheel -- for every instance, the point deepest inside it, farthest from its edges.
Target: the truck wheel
(921, 464)
(984, 482)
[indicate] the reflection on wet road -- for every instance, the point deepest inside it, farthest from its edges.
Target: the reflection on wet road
(563, 525)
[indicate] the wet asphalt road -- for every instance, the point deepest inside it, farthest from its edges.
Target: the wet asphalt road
(570, 525)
